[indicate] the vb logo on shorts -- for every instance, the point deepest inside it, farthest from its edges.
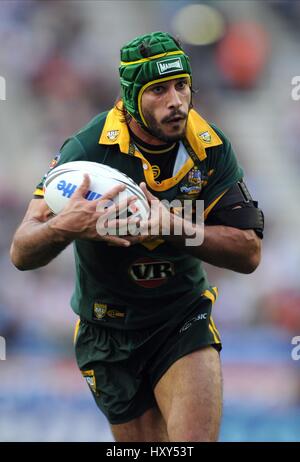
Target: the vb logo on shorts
(169, 65)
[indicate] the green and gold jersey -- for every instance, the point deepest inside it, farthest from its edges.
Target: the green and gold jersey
(149, 283)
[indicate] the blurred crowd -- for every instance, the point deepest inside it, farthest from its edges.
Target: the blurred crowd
(60, 60)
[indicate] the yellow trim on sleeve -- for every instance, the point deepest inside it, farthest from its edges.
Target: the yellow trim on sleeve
(143, 60)
(211, 206)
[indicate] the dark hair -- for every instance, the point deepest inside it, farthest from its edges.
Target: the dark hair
(123, 113)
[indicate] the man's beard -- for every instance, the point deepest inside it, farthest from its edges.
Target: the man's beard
(154, 129)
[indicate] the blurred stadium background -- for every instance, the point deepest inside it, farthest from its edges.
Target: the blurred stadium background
(60, 63)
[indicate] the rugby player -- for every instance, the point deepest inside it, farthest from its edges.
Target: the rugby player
(146, 342)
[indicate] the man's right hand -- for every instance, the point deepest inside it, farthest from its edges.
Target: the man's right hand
(79, 218)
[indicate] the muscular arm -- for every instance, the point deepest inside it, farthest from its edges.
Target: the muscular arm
(41, 237)
(35, 242)
(223, 246)
(226, 247)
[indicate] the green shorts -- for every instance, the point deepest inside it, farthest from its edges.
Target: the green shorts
(122, 367)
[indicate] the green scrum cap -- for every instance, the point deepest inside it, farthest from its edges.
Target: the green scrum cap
(148, 59)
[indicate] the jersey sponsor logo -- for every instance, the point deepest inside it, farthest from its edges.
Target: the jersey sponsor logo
(112, 135)
(150, 273)
(205, 136)
(193, 183)
(169, 65)
(187, 325)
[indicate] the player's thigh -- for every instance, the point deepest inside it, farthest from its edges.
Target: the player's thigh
(189, 395)
(150, 427)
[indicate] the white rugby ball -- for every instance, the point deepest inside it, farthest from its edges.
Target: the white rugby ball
(63, 181)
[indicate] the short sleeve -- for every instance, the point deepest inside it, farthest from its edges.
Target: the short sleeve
(223, 172)
(70, 151)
